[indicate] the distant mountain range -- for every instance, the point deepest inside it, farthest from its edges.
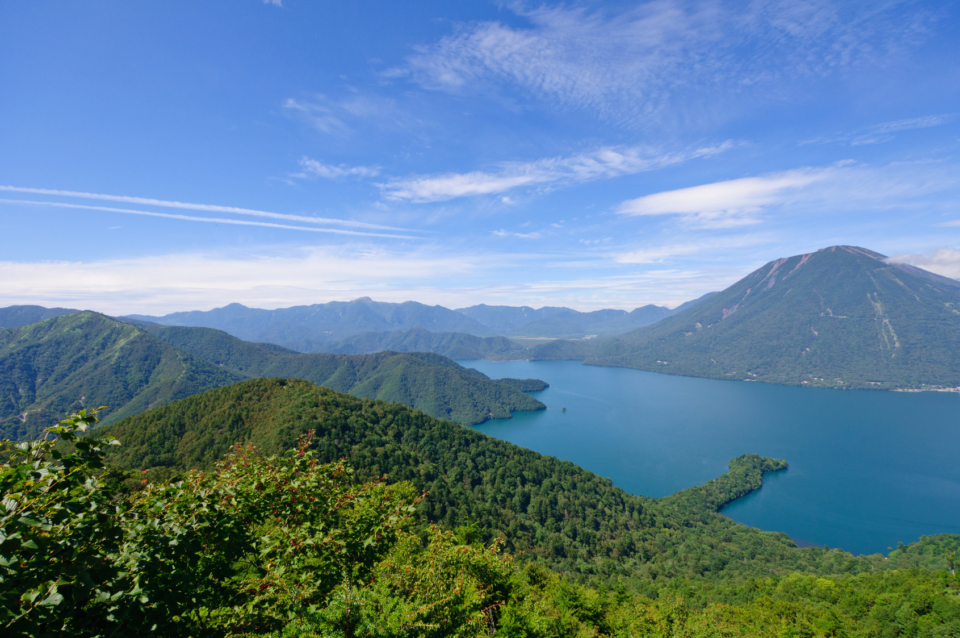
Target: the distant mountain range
(334, 326)
(16, 316)
(455, 345)
(841, 317)
(86, 359)
(309, 328)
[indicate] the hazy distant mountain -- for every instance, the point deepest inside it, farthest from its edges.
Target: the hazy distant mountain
(321, 327)
(16, 316)
(564, 323)
(504, 320)
(455, 345)
(87, 359)
(840, 317)
(309, 328)
(572, 324)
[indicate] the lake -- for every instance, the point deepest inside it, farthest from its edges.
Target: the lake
(867, 469)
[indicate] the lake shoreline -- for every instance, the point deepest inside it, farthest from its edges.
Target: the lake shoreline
(862, 476)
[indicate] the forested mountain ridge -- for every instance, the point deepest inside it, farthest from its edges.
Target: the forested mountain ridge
(16, 316)
(282, 545)
(840, 317)
(86, 359)
(455, 345)
(430, 382)
(550, 510)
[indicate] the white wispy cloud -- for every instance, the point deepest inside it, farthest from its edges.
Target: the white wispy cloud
(208, 220)
(314, 168)
(728, 203)
(209, 208)
(201, 281)
(507, 233)
(276, 3)
(883, 132)
(630, 64)
(658, 253)
(272, 279)
(319, 116)
(602, 163)
(340, 116)
(843, 186)
(943, 261)
(926, 121)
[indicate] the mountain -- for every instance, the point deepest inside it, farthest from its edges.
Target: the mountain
(16, 316)
(86, 359)
(430, 382)
(558, 322)
(572, 324)
(309, 328)
(841, 317)
(551, 510)
(449, 344)
(346, 327)
(505, 320)
(692, 302)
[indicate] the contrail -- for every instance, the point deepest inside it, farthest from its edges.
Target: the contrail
(210, 208)
(210, 220)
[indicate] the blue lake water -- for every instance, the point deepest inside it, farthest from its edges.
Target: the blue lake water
(867, 469)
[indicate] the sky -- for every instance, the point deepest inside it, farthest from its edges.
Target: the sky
(167, 156)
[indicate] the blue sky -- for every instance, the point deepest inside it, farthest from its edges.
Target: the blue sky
(180, 155)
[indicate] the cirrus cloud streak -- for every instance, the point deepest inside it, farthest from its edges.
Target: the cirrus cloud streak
(606, 162)
(209, 220)
(210, 208)
(916, 187)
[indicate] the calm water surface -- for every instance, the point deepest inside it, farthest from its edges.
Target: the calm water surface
(867, 469)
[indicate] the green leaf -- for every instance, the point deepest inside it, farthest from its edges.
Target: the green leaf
(52, 600)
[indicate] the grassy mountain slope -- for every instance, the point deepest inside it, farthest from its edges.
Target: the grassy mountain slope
(840, 317)
(449, 344)
(552, 510)
(16, 316)
(86, 359)
(430, 382)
